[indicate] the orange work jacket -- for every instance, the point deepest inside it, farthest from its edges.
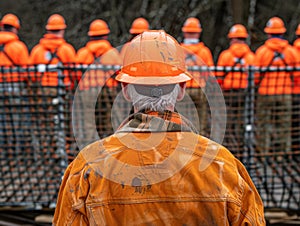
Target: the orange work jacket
(52, 50)
(13, 53)
(160, 178)
(275, 52)
(98, 52)
(296, 86)
(204, 58)
(238, 55)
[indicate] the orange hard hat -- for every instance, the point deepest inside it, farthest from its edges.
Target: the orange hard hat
(98, 27)
(192, 24)
(153, 58)
(275, 25)
(237, 31)
(298, 30)
(139, 25)
(12, 20)
(56, 22)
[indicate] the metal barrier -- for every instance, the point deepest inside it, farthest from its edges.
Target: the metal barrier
(37, 142)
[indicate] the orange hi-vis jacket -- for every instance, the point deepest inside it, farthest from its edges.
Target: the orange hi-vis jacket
(275, 52)
(238, 55)
(296, 87)
(98, 52)
(52, 50)
(172, 177)
(204, 55)
(13, 52)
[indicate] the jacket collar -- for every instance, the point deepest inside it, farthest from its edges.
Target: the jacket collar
(152, 121)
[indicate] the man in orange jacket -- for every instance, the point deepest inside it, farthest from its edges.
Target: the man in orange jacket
(197, 54)
(274, 101)
(97, 51)
(13, 52)
(53, 49)
(156, 169)
(234, 85)
(13, 85)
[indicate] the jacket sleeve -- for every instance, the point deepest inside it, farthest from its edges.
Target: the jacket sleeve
(251, 210)
(70, 208)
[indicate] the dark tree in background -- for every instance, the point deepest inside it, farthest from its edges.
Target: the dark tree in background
(216, 17)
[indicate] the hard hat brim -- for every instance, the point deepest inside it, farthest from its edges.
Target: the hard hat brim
(191, 30)
(97, 33)
(56, 27)
(237, 36)
(153, 80)
(136, 31)
(269, 30)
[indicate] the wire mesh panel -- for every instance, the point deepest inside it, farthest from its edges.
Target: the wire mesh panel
(37, 140)
(33, 156)
(276, 139)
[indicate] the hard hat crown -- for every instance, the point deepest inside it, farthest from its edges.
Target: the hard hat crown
(153, 58)
(275, 25)
(12, 20)
(192, 24)
(237, 31)
(98, 27)
(56, 22)
(139, 25)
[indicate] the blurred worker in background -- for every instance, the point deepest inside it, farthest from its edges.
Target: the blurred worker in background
(191, 40)
(234, 85)
(197, 54)
(13, 85)
(296, 98)
(156, 169)
(53, 49)
(138, 26)
(97, 50)
(274, 101)
(13, 52)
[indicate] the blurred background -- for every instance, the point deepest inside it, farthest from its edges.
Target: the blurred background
(216, 17)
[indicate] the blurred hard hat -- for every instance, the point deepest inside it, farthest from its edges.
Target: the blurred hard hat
(298, 30)
(98, 27)
(139, 25)
(192, 24)
(275, 25)
(153, 58)
(12, 20)
(237, 31)
(56, 22)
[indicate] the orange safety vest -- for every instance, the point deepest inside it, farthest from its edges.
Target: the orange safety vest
(237, 55)
(200, 55)
(52, 50)
(275, 52)
(98, 52)
(13, 52)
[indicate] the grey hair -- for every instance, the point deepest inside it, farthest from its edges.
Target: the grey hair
(161, 103)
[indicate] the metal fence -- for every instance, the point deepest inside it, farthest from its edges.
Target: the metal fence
(37, 141)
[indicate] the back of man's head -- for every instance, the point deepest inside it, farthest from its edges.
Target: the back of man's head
(154, 63)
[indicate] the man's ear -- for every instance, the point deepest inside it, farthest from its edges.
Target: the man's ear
(125, 91)
(182, 91)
